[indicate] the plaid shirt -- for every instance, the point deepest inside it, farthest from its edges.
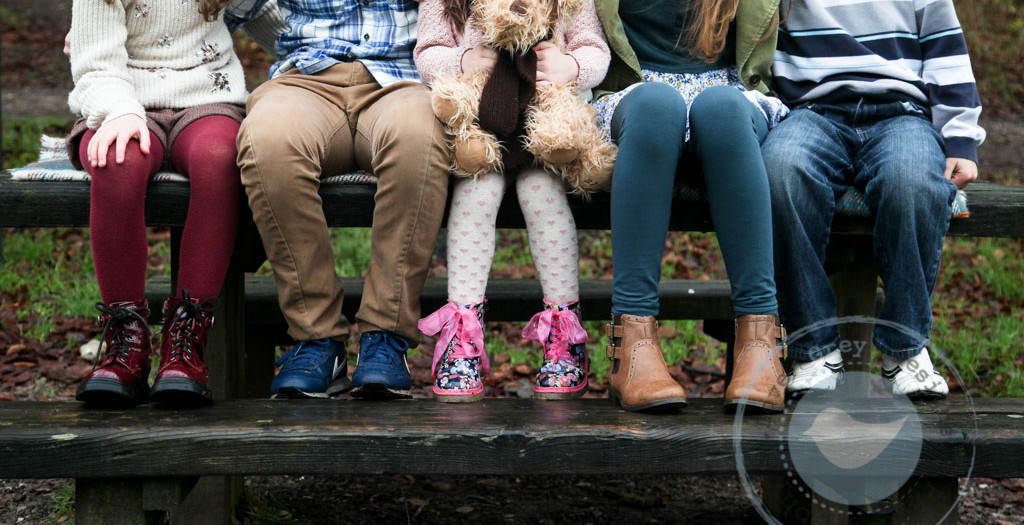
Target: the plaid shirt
(379, 33)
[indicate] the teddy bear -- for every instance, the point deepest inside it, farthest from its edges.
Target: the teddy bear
(502, 119)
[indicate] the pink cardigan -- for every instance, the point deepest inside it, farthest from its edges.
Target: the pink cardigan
(439, 51)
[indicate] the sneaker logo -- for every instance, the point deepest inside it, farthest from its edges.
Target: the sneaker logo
(833, 427)
(339, 367)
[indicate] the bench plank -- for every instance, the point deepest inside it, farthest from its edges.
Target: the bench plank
(497, 436)
(508, 299)
(996, 210)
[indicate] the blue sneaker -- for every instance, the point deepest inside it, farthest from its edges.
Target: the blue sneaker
(313, 368)
(382, 371)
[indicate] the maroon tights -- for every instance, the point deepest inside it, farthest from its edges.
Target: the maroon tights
(205, 153)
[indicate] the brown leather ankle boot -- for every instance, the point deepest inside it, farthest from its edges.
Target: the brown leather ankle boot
(758, 378)
(639, 378)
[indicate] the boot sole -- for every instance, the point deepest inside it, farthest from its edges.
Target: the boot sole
(560, 396)
(377, 391)
(102, 391)
(181, 391)
(926, 396)
(660, 406)
(340, 385)
(758, 407)
(465, 398)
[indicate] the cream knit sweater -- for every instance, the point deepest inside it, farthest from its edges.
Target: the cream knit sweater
(131, 55)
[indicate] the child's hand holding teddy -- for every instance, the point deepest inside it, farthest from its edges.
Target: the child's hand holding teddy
(553, 66)
(482, 57)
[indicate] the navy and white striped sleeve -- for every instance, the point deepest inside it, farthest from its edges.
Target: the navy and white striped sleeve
(949, 82)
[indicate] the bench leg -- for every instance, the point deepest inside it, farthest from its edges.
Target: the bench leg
(211, 502)
(225, 347)
(855, 285)
(114, 501)
(793, 508)
(927, 500)
(259, 359)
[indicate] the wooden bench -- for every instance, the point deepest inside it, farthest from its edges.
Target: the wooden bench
(142, 462)
(500, 430)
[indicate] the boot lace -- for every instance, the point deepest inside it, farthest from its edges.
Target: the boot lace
(381, 348)
(557, 347)
(304, 355)
(184, 338)
(117, 318)
(558, 329)
(459, 330)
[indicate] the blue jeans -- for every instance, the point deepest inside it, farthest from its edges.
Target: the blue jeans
(724, 149)
(890, 151)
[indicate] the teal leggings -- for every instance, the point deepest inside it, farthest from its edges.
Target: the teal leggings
(725, 136)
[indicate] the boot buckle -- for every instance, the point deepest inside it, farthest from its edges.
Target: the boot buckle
(610, 331)
(782, 338)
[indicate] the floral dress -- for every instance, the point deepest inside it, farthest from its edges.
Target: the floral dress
(689, 85)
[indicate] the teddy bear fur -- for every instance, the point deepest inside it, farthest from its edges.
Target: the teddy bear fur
(561, 132)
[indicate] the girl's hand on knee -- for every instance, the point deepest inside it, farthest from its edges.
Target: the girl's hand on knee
(553, 66)
(961, 171)
(118, 132)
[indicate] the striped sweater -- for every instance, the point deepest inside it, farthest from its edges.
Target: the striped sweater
(835, 50)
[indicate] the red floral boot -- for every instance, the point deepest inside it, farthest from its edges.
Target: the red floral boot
(182, 378)
(122, 378)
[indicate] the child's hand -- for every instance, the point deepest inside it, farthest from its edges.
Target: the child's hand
(67, 44)
(480, 57)
(961, 171)
(553, 66)
(118, 131)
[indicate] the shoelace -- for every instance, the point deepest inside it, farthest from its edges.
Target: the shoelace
(373, 349)
(557, 348)
(182, 331)
(119, 316)
(304, 355)
(461, 326)
(557, 329)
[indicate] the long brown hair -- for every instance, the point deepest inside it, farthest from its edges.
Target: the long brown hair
(708, 29)
(457, 12)
(211, 8)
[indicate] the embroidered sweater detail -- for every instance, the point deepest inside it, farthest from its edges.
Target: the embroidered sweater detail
(132, 55)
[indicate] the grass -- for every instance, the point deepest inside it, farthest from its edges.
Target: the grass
(979, 313)
(21, 137)
(260, 508)
(64, 506)
(65, 284)
(994, 30)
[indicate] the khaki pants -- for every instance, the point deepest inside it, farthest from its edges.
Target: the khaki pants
(301, 127)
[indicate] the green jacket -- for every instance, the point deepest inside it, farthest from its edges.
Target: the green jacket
(753, 19)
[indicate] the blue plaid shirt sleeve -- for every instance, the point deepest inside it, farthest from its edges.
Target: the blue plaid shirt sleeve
(239, 12)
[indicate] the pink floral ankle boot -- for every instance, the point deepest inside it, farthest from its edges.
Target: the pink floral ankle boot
(566, 363)
(460, 361)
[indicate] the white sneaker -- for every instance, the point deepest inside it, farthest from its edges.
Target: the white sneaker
(914, 376)
(823, 373)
